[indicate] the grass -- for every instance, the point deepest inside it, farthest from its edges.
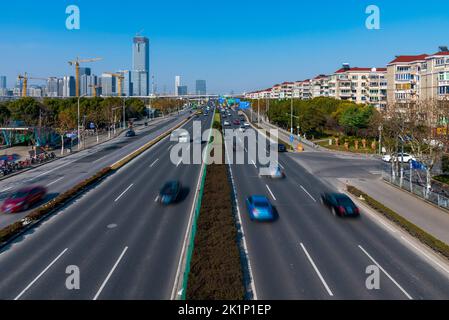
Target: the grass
(341, 147)
(442, 178)
(415, 231)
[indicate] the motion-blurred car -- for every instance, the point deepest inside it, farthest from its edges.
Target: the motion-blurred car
(282, 147)
(236, 122)
(340, 205)
(170, 192)
(405, 158)
(23, 199)
(260, 208)
(226, 124)
(130, 133)
(275, 172)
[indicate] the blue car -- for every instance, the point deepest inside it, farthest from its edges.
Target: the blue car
(170, 192)
(260, 208)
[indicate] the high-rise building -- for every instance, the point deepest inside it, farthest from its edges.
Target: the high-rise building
(69, 87)
(85, 71)
(52, 87)
(87, 83)
(2, 82)
(108, 85)
(182, 91)
(140, 76)
(177, 84)
(201, 87)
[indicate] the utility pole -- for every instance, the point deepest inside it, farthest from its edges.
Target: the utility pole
(79, 127)
(291, 114)
(124, 113)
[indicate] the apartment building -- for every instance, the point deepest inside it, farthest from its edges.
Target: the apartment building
(404, 78)
(319, 86)
(435, 76)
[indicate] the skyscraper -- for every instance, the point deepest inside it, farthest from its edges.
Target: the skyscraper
(201, 87)
(140, 76)
(69, 87)
(108, 85)
(182, 91)
(2, 82)
(177, 84)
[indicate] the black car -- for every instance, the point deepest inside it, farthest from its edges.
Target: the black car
(340, 204)
(130, 134)
(170, 192)
(282, 148)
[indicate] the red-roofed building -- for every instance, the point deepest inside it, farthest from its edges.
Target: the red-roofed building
(359, 85)
(435, 76)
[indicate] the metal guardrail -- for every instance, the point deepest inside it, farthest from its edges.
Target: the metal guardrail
(418, 190)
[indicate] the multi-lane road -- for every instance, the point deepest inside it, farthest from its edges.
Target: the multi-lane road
(123, 242)
(310, 254)
(127, 246)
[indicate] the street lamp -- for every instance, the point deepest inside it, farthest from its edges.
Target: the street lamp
(124, 113)
(79, 129)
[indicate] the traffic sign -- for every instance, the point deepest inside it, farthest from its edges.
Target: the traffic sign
(292, 138)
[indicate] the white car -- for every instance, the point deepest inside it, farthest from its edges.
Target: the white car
(246, 125)
(227, 124)
(405, 158)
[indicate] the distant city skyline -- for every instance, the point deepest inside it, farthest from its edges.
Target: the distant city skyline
(270, 45)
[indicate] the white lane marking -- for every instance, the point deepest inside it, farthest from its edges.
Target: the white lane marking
(316, 270)
(41, 274)
(386, 273)
(274, 198)
(307, 192)
(157, 199)
(179, 163)
(254, 164)
(280, 165)
(7, 189)
(52, 183)
(156, 161)
(49, 171)
(123, 193)
(425, 254)
(110, 274)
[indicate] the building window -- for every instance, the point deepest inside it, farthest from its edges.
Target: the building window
(443, 90)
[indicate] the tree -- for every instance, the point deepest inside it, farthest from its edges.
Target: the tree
(64, 124)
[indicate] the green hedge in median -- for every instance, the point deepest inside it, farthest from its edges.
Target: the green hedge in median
(426, 238)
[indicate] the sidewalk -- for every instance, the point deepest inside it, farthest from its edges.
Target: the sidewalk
(430, 218)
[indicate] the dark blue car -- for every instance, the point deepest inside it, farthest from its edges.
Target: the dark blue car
(340, 205)
(170, 192)
(260, 208)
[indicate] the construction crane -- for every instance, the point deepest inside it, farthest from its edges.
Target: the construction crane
(24, 79)
(94, 89)
(120, 77)
(77, 63)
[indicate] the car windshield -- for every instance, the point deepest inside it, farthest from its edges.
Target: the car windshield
(19, 195)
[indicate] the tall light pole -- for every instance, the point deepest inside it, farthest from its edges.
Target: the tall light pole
(291, 113)
(124, 113)
(79, 128)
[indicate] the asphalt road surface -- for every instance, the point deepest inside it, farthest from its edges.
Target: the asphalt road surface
(123, 242)
(310, 254)
(62, 174)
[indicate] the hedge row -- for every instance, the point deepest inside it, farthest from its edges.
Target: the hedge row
(426, 238)
(15, 229)
(216, 270)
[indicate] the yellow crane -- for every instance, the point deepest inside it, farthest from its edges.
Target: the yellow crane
(120, 77)
(94, 89)
(77, 63)
(24, 79)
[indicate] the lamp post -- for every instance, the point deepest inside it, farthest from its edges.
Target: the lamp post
(79, 129)
(124, 113)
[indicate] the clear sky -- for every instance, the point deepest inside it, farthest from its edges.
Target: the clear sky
(234, 45)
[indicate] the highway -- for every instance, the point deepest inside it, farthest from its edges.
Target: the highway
(125, 244)
(62, 174)
(310, 254)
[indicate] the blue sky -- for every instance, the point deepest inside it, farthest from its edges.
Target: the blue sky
(234, 45)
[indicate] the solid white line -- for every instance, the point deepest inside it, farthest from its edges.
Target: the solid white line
(426, 255)
(6, 189)
(179, 163)
(304, 189)
(156, 161)
(157, 199)
(52, 183)
(316, 270)
(41, 274)
(280, 165)
(386, 273)
(49, 171)
(123, 193)
(271, 192)
(110, 274)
